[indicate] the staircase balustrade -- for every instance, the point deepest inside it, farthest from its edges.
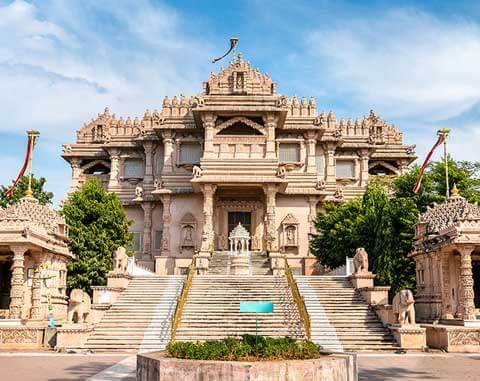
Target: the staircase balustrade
(299, 301)
(182, 299)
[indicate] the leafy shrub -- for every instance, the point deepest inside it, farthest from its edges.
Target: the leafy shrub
(247, 348)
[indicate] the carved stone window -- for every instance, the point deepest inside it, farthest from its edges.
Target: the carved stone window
(158, 236)
(188, 228)
(345, 169)
(133, 168)
(190, 153)
(289, 238)
(289, 153)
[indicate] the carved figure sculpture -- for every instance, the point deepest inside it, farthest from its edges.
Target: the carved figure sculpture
(120, 261)
(403, 307)
(360, 261)
(138, 193)
(79, 306)
(281, 172)
(196, 171)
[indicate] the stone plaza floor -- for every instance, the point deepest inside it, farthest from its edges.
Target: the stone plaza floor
(44, 366)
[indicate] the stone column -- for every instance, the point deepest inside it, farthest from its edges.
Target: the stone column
(467, 305)
(17, 291)
(209, 127)
(311, 139)
(167, 217)
(363, 167)
(312, 213)
(36, 311)
(167, 152)
(76, 174)
(330, 176)
(147, 229)
(270, 121)
(114, 168)
(271, 228)
(148, 177)
(446, 311)
(208, 233)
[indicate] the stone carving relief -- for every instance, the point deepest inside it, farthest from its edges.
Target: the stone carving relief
(403, 307)
(188, 226)
(120, 261)
(79, 306)
(289, 232)
(138, 193)
(464, 337)
(18, 336)
(360, 261)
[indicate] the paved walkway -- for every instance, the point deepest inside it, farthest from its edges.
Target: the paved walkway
(45, 366)
(419, 367)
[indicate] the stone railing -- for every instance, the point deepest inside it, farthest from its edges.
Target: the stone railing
(299, 301)
(182, 299)
(346, 269)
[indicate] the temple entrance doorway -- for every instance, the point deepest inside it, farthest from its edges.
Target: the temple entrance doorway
(244, 218)
(5, 284)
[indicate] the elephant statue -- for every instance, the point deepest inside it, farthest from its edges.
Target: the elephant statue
(120, 261)
(360, 261)
(403, 307)
(79, 306)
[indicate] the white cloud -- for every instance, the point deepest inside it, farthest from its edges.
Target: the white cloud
(407, 62)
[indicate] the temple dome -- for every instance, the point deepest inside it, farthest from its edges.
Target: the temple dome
(239, 232)
(450, 213)
(28, 212)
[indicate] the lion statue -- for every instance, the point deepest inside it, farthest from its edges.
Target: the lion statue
(360, 261)
(403, 307)
(79, 306)
(120, 261)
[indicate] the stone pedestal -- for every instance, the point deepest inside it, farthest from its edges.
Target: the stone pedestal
(240, 265)
(375, 295)
(362, 280)
(385, 313)
(117, 280)
(73, 335)
(409, 336)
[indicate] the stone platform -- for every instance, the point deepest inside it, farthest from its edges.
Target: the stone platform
(453, 338)
(156, 366)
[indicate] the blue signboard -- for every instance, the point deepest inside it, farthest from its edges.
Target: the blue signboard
(258, 307)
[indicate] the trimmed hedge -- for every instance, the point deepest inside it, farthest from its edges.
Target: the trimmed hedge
(245, 349)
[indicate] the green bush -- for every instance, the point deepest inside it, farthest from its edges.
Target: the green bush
(247, 348)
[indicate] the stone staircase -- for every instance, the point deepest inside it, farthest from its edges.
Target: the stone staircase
(140, 319)
(220, 263)
(212, 310)
(340, 318)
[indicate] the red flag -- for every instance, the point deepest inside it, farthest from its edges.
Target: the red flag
(28, 155)
(440, 140)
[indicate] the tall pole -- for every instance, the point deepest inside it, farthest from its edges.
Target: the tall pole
(445, 132)
(32, 134)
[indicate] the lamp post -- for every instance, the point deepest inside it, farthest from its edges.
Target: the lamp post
(445, 132)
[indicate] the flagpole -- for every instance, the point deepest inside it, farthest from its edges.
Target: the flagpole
(33, 135)
(445, 132)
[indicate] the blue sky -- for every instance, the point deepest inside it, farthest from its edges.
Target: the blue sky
(61, 62)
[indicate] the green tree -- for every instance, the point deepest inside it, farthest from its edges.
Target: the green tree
(39, 193)
(98, 226)
(383, 225)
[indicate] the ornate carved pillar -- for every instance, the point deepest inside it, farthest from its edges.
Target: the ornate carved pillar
(446, 311)
(36, 311)
(270, 121)
(167, 151)
(148, 177)
(76, 174)
(167, 218)
(363, 167)
(331, 176)
(312, 213)
(209, 126)
(271, 226)
(467, 305)
(147, 228)
(208, 234)
(114, 167)
(311, 139)
(17, 291)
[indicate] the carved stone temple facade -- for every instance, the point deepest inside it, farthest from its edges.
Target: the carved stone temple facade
(237, 152)
(33, 271)
(447, 258)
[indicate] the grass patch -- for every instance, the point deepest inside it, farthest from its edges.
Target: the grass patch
(248, 348)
